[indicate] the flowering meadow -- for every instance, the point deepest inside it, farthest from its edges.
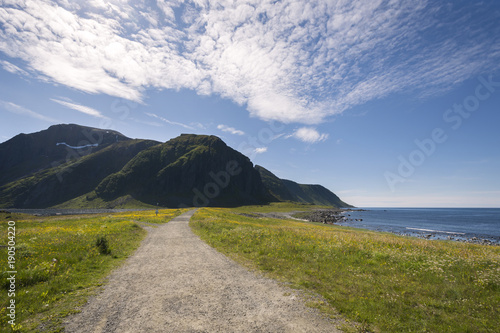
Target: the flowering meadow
(382, 282)
(61, 260)
(150, 216)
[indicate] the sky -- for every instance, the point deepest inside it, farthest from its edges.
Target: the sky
(386, 103)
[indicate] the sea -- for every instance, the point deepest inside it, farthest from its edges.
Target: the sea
(478, 225)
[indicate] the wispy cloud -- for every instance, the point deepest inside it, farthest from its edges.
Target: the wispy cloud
(80, 108)
(17, 109)
(291, 61)
(11, 68)
(168, 121)
(228, 129)
(309, 135)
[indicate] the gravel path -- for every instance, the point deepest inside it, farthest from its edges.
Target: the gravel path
(177, 283)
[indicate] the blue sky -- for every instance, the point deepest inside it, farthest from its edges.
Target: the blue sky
(386, 103)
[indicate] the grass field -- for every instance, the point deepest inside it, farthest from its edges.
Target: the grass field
(61, 260)
(385, 282)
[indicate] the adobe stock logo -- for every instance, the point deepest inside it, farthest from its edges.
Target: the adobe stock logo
(428, 146)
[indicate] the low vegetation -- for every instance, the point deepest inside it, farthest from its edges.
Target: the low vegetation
(150, 216)
(385, 282)
(61, 260)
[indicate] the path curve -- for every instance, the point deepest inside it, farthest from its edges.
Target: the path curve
(175, 282)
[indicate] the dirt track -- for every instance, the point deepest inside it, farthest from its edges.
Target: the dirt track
(177, 283)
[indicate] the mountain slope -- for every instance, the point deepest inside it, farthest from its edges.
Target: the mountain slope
(287, 190)
(190, 170)
(74, 166)
(314, 194)
(27, 154)
(56, 185)
(275, 187)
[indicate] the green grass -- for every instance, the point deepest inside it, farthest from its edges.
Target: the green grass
(385, 282)
(150, 216)
(61, 260)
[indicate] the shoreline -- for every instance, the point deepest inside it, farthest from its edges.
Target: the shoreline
(457, 237)
(342, 217)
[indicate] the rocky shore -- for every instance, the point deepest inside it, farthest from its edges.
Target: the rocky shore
(327, 216)
(473, 239)
(335, 216)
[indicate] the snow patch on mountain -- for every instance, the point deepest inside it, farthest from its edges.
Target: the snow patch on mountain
(77, 147)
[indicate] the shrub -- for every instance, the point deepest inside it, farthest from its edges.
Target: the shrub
(102, 245)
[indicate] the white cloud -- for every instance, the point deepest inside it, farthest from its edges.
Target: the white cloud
(93, 54)
(260, 150)
(231, 130)
(309, 135)
(17, 109)
(80, 108)
(292, 61)
(168, 121)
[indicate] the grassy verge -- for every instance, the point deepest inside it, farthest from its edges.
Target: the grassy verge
(150, 216)
(386, 282)
(61, 260)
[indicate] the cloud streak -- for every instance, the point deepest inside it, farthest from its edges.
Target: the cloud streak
(291, 61)
(17, 109)
(13, 69)
(80, 108)
(168, 121)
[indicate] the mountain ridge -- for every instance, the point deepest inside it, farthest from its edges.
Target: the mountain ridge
(28, 153)
(74, 166)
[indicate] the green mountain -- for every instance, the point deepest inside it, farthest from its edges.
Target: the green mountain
(287, 190)
(58, 184)
(190, 170)
(275, 187)
(27, 154)
(72, 166)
